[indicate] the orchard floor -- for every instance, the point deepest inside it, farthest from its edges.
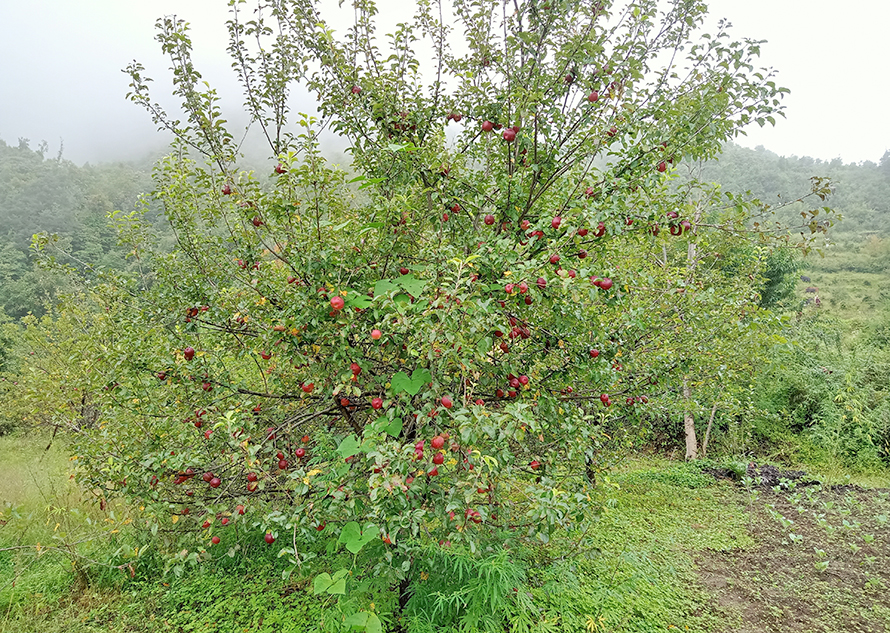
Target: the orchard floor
(821, 562)
(675, 549)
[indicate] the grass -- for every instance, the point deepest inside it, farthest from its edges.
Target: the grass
(672, 549)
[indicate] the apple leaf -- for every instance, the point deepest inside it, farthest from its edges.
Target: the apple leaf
(421, 375)
(349, 446)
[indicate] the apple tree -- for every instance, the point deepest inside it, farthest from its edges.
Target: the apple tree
(441, 341)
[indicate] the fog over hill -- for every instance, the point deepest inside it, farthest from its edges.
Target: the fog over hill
(66, 86)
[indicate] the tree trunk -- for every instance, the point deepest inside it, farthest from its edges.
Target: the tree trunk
(689, 426)
(704, 444)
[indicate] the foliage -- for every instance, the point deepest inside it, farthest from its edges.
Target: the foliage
(831, 391)
(54, 197)
(383, 363)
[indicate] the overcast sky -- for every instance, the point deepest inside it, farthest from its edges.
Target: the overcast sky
(61, 61)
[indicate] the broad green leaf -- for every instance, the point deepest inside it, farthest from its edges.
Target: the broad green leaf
(374, 625)
(321, 583)
(338, 588)
(395, 427)
(349, 446)
(357, 619)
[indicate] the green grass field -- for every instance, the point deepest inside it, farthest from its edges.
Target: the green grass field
(673, 549)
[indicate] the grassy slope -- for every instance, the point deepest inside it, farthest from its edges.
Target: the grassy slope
(638, 575)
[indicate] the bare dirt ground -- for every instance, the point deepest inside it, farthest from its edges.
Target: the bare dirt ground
(821, 562)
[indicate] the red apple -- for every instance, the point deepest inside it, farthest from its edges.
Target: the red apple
(377, 403)
(535, 464)
(554, 259)
(594, 353)
(251, 477)
(227, 190)
(269, 538)
(438, 459)
(207, 477)
(356, 90)
(280, 169)
(215, 540)
(605, 283)
(489, 219)
(300, 453)
(662, 166)
(189, 353)
(215, 482)
(337, 303)
(487, 126)
(593, 97)
(308, 387)
(376, 334)
(555, 222)
(509, 135)
(438, 442)
(446, 402)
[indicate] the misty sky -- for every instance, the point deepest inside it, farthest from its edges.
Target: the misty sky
(61, 61)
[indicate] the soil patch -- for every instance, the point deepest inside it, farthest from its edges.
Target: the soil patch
(821, 562)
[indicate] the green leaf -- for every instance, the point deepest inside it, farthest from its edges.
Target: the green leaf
(374, 625)
(384, 287)
(354, 538)
(359, 301)
(395, 427)
(401, 382)
(412, 285)
(321, 583)
(349, 446)
(338, 588)
(357, 619)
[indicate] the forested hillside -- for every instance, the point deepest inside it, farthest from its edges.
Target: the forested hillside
(44, 194)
